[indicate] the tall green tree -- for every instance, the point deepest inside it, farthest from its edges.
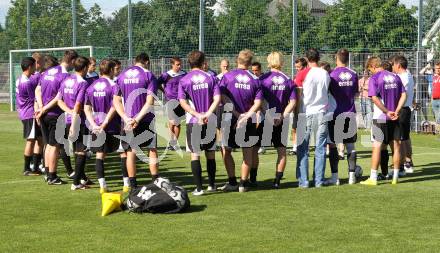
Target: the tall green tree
(367, 24)
(430, 14)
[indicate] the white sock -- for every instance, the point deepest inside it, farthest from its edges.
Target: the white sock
(294, 147)
(102, 183)
(334, 176)
(373, 175)
(126, 181)
(351, 175)
(395, 174)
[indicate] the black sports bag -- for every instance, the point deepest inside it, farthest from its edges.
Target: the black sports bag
(161, 196)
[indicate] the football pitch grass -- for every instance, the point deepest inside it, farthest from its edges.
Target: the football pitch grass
(35, 217)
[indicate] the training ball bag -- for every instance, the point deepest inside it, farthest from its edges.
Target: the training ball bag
(161, 196)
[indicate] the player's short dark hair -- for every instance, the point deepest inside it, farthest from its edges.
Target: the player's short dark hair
(175, 59)
(142, 58)
(81, 63)
(92, 59)
(437, 63)
(26, 63)
(69, 56)
(387, 66)
(50, 61)
(106, 67)
(303, 61)
(117, 62)
(325, 65)
(196, 59)
(343, 55)
(256, 64)
(401, 60)
(313, 55)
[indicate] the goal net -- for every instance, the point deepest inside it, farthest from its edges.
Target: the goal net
(15, 57)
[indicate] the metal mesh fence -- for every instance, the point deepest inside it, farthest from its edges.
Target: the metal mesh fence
(165, 28)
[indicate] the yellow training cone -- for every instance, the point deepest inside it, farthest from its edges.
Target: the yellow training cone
(111, 202)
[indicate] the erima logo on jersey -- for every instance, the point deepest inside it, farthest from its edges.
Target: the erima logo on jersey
(199, 82)
(390, 82)
(100, 86)
(346, 79)
(68, 86)
(131, 76)
(242, 82)
(99, 89)
(198, 79)
(69, 83)
(278, 80)
(345, 76)
(50, 74)
(242, 78)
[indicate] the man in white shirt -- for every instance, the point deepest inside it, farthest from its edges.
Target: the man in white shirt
(312, 121)
(400, 65)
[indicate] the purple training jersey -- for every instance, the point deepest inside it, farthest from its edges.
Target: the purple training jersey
(278, 90)
(134, 85)
(388, 88)
(170, 82)
(25, 96)
(242, 88)
(200, 88)
(99, 96)
(50, 82)
(72, 91)
(343, 88)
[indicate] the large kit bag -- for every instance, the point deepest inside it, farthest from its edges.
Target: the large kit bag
(161, 196)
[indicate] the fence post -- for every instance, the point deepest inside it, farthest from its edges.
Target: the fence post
(28, 23)
(130, 33)
(202, 26)
(294, 33)
(74, 23)
(418, 60)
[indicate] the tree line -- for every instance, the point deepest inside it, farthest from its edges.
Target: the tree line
(171, 27)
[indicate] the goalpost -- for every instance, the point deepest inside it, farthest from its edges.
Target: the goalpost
(16, 55)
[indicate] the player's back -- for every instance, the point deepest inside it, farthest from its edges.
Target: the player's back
(242, 88)
(99, 96)
(343, 88)
(200, 88)
(50, 82)
(134, 85)
(170, 80)
(277, 89)
(25, 96)
(388, 87)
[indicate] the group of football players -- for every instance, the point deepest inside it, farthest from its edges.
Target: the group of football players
(68, 106)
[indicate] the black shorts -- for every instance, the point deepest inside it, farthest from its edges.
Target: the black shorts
(31, 130)
(48, 128)
(331, 131)
(147, 140)
(111, 144)
(175, 110)
(295, 121)
(278, 138)
(195, 138)
(219, 114)
(78, 144)
(386, 132)
(405, 123)
(232, 141)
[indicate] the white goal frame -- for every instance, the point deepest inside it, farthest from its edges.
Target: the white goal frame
(11, 70)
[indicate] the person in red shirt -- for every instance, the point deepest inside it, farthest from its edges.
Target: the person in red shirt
(301, 73)
(436, 92)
